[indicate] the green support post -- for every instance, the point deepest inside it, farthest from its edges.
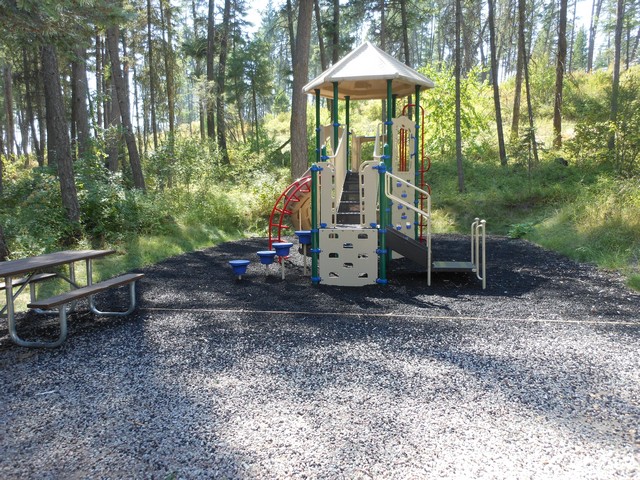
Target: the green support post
(315, 234)
(318, 128)
(382, 230)
(389, 153)
(335, 117)
(418, 162)
(347, 99)
(389, 122)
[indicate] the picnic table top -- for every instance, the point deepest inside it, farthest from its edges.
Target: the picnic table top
(29, 264)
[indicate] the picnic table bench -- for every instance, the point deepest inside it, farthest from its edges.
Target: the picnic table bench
(31, 270)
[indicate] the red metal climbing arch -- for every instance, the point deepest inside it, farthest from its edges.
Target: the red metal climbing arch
(282, 209)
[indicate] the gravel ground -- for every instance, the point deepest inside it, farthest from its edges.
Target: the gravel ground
(536, 377)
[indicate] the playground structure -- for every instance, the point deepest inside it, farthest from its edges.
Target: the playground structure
(360, 213)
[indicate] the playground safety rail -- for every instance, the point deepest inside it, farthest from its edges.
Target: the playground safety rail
(478, 230)
(388, 188)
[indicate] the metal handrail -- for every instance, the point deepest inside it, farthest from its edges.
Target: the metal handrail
(481, 265)
(389, 177)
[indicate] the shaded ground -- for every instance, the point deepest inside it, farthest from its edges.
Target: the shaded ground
(537, 376)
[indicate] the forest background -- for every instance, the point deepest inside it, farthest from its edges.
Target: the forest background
(162, 126)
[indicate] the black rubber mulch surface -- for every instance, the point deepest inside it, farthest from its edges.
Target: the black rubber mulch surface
(524, 282)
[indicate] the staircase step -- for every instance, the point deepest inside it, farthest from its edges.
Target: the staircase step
(348, 218)
(350, 196)
(347, 206)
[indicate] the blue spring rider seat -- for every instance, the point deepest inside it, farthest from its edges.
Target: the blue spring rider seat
(239, 267)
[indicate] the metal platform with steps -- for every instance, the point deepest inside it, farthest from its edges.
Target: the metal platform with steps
(418, 253)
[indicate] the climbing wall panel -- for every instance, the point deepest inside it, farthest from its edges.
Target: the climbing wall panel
(348, 256)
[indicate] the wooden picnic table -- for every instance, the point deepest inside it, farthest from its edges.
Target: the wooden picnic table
(26, 271)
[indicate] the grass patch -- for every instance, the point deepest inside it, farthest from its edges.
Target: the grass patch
(588, 215)
(138, 252)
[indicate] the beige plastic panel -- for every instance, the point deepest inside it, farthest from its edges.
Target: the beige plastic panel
(348, 256)
(326, 137)
(340, 165)
(327, 200)
(369, 193)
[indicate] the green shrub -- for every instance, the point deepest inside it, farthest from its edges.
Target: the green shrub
(520, 230)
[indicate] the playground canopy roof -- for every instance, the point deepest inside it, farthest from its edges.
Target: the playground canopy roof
(363, 74)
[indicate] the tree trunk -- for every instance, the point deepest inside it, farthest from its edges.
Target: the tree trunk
(255, 114)
(142, 145)
(211, 124)
(458, 68)
(496, 88)
(560, 65)
(198, 73)
(335, 33)
(40, 108)
(114, 136)
(615, 87)
(28, 97)
(99, 83)
(635, 44)
(525, 67)
(220, 99)
(4, 249)
(125, 111)
(58, 144)
(405, 32)
(596, 6)
(79, 109)
(323, 54)
(290, 28)
(405, 45)
(8, 107)
(515, 119)
(169, 64)
(1, 162)
(298, 126)
(573, 36)
(23, 124)
(152, 88)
